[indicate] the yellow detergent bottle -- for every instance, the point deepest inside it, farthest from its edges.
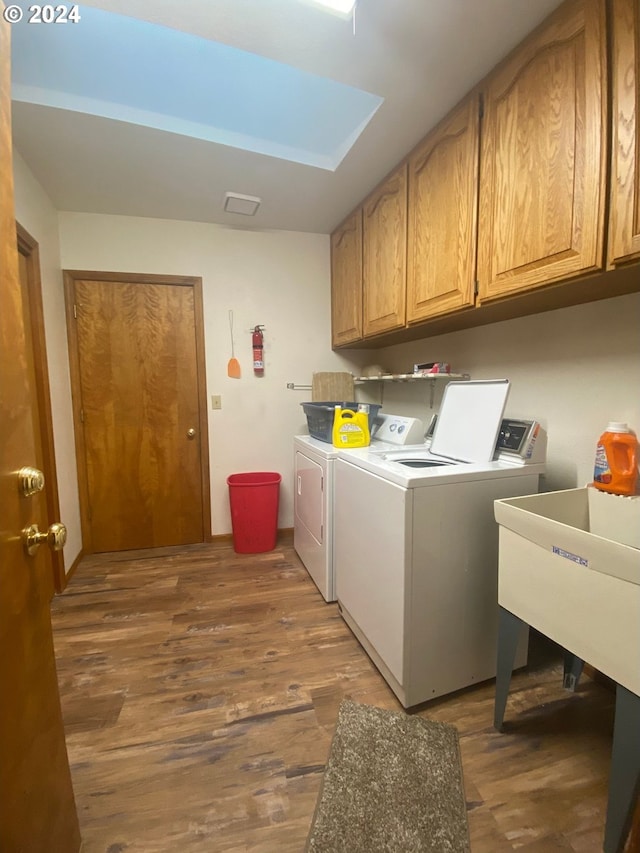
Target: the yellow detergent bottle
(351, 429)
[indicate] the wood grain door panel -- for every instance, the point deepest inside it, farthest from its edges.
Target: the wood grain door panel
(624, 216)
(37, 807)
(346, 281)
(536, 185)
(384, 261)
(443, 201)
(543, 157)
(139, 397)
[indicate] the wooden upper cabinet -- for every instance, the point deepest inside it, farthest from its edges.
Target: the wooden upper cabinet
(443, 201)
(346, 281)
(542, 180)
(624, 216)
(384, 255)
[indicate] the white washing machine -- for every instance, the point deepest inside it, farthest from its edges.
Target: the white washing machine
(416, 543)
(313, 495)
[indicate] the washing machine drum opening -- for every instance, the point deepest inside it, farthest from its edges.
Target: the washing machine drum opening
(420, 463)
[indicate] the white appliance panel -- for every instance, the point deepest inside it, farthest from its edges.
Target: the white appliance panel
(370, 578)
(416, 556)
(453, 612)
(313, 505)
(313, 495)
(397, 430)
(469, 420)
(309, 503)
(384, 463)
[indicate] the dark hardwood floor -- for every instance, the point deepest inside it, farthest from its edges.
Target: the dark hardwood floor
(200, 690)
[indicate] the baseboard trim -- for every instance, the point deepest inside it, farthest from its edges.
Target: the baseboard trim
(284, 534)
(68, 575)
(221, 538)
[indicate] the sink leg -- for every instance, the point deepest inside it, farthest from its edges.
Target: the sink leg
(624, 778)
(572, 671)
(509, 628)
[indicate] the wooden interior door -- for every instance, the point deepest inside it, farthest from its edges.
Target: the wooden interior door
(37, 807)
(138, 381)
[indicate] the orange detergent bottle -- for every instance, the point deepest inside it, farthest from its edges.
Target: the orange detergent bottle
(616, 466)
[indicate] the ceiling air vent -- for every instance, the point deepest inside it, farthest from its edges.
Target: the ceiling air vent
(237, 203)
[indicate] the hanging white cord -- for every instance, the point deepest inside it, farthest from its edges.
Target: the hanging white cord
(353, 18)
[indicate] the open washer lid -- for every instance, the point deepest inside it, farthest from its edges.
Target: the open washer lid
(469, 420)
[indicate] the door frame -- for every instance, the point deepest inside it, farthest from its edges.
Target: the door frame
(194, 282)
(29, 249)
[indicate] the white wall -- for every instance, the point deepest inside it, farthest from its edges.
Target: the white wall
(278, 279)
(35, 212)
(573, 369)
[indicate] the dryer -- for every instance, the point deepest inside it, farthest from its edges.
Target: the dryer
(313, 510)
(314, 494)
(416, 543)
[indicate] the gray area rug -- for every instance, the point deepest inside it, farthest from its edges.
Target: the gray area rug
(393, 782)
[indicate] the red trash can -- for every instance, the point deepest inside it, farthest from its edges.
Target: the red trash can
(253, 499)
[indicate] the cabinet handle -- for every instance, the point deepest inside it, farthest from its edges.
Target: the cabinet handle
(299, 484)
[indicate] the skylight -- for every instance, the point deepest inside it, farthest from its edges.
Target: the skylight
(341, 7)
(128, 70)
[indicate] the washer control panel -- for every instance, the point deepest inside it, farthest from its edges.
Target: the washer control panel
(397, 429)
(522, 440)
(519, 441)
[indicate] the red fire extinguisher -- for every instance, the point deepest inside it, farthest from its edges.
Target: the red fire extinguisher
(257, 342)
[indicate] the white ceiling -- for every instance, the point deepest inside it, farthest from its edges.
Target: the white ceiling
(421, 56)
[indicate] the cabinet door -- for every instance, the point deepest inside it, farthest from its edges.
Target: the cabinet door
(443, 200)
(384, 260)
(346, 281)
(543, 156)
(624, 216)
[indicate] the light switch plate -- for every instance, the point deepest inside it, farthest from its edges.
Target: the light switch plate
(216, 401)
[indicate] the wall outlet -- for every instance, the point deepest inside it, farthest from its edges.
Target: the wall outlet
(216, 401)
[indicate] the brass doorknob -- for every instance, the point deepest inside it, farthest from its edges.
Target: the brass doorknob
(55, 537)
(191, 433)
(30, 481)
